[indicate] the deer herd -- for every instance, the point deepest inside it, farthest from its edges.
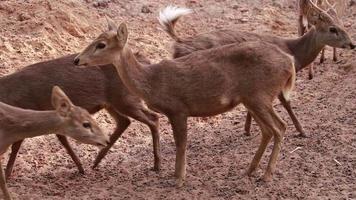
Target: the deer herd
(209, 74)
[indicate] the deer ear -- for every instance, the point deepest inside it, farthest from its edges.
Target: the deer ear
(122, 34)
(111, 24)
(61, 102)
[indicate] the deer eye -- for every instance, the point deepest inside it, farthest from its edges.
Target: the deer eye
(100, 46)
(87, 125)
(333, 30)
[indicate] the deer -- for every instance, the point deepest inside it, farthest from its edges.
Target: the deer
(67, 119)
(94, 89)
(304, 49)
(305, 15)
(203, 83)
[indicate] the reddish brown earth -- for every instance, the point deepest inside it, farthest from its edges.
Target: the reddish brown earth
(218, 152)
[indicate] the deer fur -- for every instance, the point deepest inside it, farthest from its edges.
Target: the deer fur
(204, 83)
(17, 124)
(93, 89)
(304, 49)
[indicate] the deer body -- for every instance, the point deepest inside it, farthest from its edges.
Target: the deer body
(204, 83)
(17, 124)
(304, 49)
(93, 89)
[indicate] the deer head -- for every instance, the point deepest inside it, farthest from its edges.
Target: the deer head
(105, 48)
(77, 122)
(330, 31)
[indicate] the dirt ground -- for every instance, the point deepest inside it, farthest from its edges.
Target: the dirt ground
(324, 167)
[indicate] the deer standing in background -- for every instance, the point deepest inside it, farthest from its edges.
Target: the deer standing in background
(306, 15)
(69, 120)
(93, 89)
(204, 83)
(304, 49)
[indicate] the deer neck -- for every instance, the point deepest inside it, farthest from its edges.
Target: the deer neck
(305, 49)
(133, 74)
(19, 124)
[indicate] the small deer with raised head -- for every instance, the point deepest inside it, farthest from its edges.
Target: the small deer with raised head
(67, 119)
(304, 49)
(204, 83)
(305, 7)
(93, 89)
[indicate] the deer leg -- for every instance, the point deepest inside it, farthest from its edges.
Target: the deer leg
(179, 126)
(301, 27)
(334, 54)
(154, 128)
(278, 127)
(66, 145)
(10, 164)
(322, 56)
(311, 71)
(287, 106)
(151, 120)
(271, 125)
(122, 123)
(259, 114)
(3, 184)
(248, 124)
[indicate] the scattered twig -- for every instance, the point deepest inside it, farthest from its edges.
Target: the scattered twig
(337, 161)
(295, 149)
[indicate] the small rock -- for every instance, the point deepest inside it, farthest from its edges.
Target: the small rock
(145, 9)
(235, 7)
(352, 2)
(23, 17)
(101, 4)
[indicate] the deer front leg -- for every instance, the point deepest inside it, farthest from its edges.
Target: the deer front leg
(322, 56)
(248, 124)
(122, 122)
(66, 145)
(311, 71)
(179, 126)
(301, 27)
(334, 54)
(10, 164)
(3, 184)
(287, 106)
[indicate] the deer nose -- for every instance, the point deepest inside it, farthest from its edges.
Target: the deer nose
(352, 46)
(76, 61)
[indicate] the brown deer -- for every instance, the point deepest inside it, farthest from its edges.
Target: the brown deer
(67, 119)
(306, 15)
(304, 49)
(204, 83)
(93, 89)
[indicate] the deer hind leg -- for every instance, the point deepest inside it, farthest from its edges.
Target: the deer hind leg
(271, 125)
(248, 124)
(278, 127)
(151, 120)
(287, 106)
(3, 184)
(334, 54)
(66, 145)
(179, 126)
(10, 164)
(311, 71)
(122, 122)
(322, 56)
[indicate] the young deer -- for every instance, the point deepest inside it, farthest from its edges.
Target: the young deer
(204, 83)
(93, 89)
(305, 14)
(67, 119)
(304, 49)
